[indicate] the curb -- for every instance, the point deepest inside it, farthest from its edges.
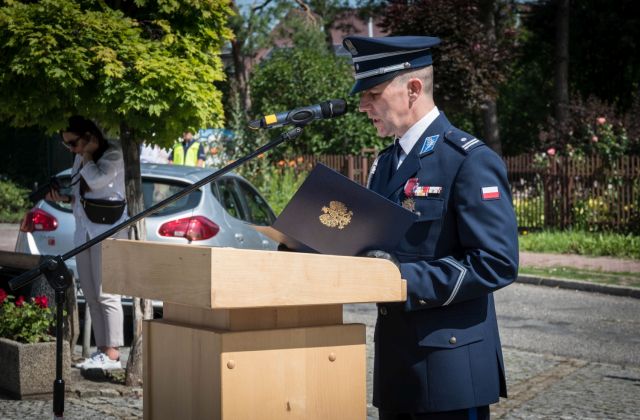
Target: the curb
(584, 286)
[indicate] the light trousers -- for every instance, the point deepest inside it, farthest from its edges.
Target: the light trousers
(105, 308)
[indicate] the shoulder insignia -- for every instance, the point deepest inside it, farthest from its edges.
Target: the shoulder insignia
(428, 144)
(463, 141)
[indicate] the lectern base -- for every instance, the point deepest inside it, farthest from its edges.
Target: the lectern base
(290, 373)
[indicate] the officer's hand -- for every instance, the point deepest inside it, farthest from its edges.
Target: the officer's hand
(283, 247)
(378, 253)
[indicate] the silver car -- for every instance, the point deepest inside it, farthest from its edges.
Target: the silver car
(217, 214)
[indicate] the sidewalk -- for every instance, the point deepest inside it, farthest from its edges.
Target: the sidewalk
(534, 259)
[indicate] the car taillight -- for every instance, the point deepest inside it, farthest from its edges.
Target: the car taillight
(38, 220)
(197, 228)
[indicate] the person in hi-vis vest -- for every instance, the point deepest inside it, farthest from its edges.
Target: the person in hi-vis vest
(187, 152)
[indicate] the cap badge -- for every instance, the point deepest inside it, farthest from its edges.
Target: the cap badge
(429, 144)
(352, 49)
(337, 215)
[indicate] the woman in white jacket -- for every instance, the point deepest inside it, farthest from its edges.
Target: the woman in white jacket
(98, 203)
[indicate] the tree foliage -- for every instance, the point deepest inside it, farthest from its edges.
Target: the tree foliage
(150, 63)
(143, 68)
(604, 74)
(306, 74)
(469, 66)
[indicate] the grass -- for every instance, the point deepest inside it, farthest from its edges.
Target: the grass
(594, 276)
(582, 243)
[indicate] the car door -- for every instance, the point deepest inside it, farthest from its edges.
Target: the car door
(244, 206)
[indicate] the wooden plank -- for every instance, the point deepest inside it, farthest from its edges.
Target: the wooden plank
(182, 379)
(305, 374)
(18, 260)
(254, 318)
(227, 278)
(295, 373)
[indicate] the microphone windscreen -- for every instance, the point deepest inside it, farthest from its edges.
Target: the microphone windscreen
(339, 107)
(333, 108)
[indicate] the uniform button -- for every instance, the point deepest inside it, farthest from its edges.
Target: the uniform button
(453, 340)
(383, 310)
(422, 302)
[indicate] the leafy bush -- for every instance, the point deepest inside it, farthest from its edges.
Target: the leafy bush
(25, 321)
(278, 182)
(529, 211)
(582, 243)
(13, 202)
(306, 74)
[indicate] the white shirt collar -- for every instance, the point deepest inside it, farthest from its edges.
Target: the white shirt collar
(411, 137)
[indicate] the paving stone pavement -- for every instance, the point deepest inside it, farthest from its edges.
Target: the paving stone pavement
(541, 386)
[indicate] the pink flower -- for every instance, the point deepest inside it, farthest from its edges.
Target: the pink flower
(41, 301)
(20, 301)
(601, 120)
(551, 151)
(3, 296)
(594, 139)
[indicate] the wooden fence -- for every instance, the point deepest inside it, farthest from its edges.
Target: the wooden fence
(561, 193)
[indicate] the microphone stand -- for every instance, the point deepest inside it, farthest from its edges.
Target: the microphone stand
(59, 277)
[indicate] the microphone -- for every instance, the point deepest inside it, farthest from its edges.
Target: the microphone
(302, 116)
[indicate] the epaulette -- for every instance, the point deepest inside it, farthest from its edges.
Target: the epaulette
(465, 142)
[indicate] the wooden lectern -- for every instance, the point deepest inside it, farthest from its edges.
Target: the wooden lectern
(250, 334)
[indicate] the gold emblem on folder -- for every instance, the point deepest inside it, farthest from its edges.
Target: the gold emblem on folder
(336, 215)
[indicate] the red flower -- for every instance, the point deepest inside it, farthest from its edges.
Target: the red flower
(3, 296)
(41, 301)
(20, 301)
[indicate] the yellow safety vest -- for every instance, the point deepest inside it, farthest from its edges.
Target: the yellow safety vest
(192, 154)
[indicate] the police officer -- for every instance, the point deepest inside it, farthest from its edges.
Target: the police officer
(437, 355)
(187, 152)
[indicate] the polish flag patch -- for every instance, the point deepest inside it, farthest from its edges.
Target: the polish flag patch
(490, 193)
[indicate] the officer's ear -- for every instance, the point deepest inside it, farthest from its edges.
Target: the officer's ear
(414, 88)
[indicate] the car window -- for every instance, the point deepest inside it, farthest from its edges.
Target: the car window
(155, 190)
(228, 197)
(259, 211)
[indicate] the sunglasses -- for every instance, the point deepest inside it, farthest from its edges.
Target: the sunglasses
(71, 144)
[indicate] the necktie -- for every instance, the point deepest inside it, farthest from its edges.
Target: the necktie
(397, 152)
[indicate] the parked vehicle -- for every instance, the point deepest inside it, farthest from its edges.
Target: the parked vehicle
(217, 214)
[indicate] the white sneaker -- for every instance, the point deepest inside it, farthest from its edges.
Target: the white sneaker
(80, 364)
(101, 361)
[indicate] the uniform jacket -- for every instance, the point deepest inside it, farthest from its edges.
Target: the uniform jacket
(440, 350)
(105, 178)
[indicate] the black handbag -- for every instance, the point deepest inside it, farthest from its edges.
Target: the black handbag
(105, 212)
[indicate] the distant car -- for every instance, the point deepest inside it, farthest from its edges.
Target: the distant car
(216, 214)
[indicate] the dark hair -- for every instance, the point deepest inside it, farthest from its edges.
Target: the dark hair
(80, 125)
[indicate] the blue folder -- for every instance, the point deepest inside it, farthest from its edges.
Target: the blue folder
(330, 214)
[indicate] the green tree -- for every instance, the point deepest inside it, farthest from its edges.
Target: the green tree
(599, 34)
(473, 61)
(308, 73)
(144, 69)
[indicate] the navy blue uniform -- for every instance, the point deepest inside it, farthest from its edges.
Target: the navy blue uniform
(440, 350)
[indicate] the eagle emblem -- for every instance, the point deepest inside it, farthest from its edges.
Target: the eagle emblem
(336, 215)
